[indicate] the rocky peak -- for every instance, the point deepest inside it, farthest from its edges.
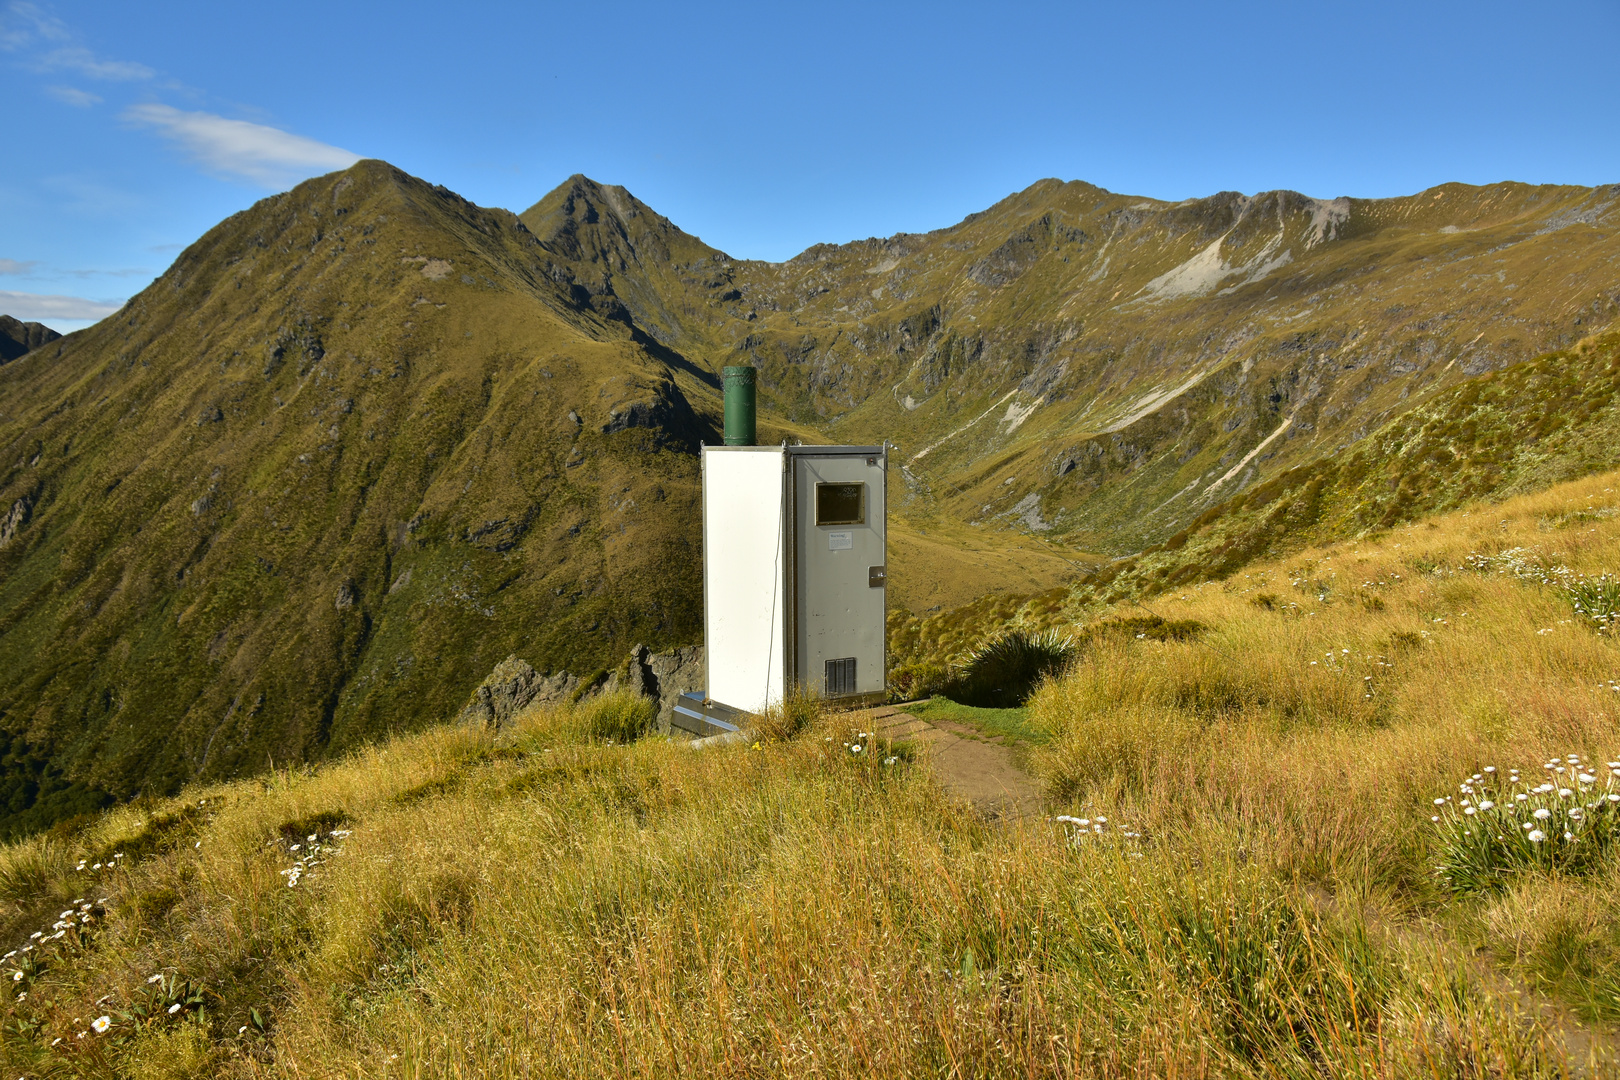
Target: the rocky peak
(18, 337)
(583, 219)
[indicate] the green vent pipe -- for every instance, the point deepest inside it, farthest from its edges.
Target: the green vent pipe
(739, 387)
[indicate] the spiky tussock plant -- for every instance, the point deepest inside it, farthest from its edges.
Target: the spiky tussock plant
(788, 717)
(1005, 670)
(1596, 600)
(621, 716)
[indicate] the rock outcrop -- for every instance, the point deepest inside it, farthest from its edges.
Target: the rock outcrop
(663, 676)
(514, 685)
(14, 520)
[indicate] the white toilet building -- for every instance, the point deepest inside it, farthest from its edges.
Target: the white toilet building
(794, 574)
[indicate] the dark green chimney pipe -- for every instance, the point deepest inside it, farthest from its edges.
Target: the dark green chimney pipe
(739, 388)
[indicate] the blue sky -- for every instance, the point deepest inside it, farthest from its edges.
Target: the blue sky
(131, 129)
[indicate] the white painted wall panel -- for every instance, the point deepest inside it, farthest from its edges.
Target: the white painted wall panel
(743, 574)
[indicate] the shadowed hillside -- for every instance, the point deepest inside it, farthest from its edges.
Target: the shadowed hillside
(17, 337)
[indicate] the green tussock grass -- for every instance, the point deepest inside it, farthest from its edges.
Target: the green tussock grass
(365, 439)
(1008, 724)
(1267, 900)
(919, 338)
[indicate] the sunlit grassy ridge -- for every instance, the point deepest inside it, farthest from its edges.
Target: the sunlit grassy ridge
(545, 902)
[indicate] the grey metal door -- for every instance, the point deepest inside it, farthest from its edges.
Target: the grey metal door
(841, 573)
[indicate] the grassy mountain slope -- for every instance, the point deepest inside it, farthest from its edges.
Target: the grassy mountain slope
(1522, 429)
(1265, 898)
(358, 444)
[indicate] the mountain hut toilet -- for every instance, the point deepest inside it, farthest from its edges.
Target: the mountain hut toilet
(794, 579)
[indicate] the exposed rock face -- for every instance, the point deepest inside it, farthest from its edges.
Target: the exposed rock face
(664, 676)
(1115, 357)
(514, 685)
(14, 520)
(17, 337)
(661, 408)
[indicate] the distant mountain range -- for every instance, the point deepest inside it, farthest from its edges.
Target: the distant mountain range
(1104, 368)
(17, 337)
(365, 439)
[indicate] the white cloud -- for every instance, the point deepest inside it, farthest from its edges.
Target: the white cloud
(16, 266)
(24, 28)
(88, 64)
(129, 271)
(70, 95)
(265, 155)
(36, 307)
(22, 23)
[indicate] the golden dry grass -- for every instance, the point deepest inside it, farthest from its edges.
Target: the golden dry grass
(543, 903)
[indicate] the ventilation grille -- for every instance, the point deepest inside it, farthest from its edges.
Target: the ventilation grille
(841, 677)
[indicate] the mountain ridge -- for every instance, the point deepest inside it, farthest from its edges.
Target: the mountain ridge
(1231, 292)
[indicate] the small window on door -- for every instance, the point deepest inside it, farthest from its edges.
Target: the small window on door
(840, 504)
(840, 677)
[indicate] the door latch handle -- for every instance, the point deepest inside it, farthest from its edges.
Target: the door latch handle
(875, 576)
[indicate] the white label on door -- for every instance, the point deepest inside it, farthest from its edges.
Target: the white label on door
(840, 541)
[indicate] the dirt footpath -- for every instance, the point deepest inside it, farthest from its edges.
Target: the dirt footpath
(971, 769)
